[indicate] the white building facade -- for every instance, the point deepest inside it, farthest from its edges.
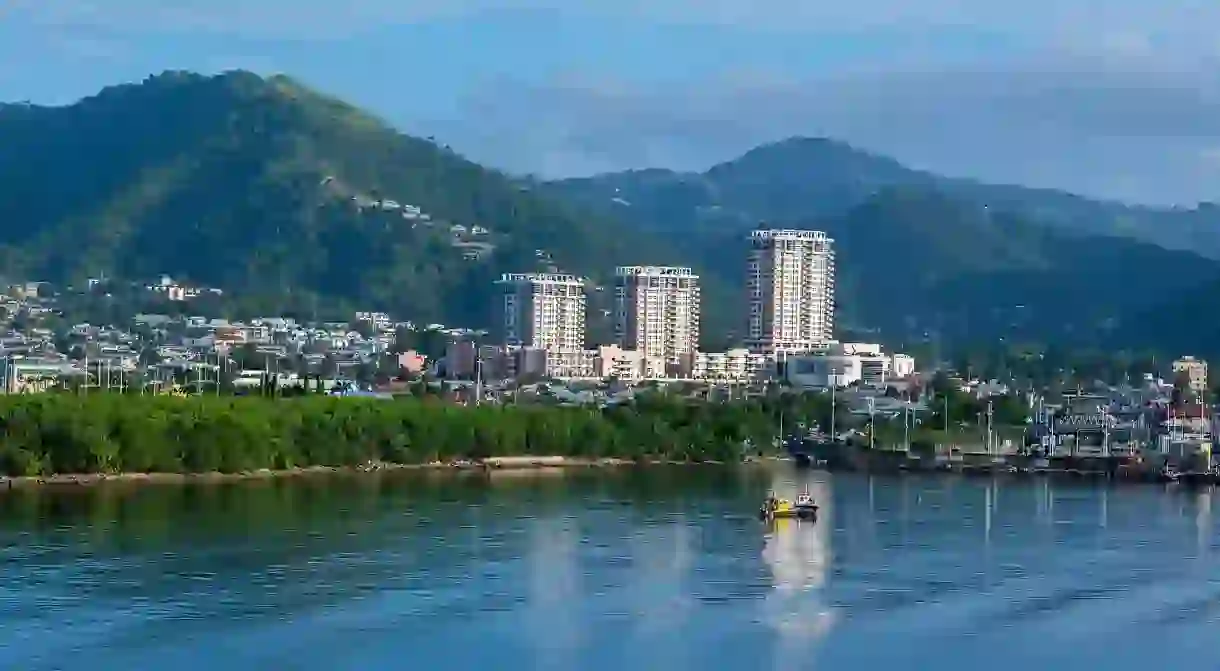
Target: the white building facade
(790, 285)
(844, 364)
(735, 365)
(657, 311)
(545, 311)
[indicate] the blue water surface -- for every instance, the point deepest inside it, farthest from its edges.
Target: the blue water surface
(665, 569)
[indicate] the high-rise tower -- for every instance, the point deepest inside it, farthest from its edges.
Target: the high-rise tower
(544, 310)
(790, 289)
(657, 311)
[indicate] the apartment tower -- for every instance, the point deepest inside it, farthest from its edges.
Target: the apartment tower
(657, 311)
(544, 310)
(790, 290)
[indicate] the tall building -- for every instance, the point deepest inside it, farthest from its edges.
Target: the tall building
(657, 311)
(544, 310)
(790, 287)
(1194, 371)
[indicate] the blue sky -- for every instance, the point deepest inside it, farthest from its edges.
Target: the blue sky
(1116, 98)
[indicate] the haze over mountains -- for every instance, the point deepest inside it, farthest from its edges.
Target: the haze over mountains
(804, 178)
(261, 186)
(920, 253)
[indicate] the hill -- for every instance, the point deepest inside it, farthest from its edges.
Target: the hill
(921, 254)
(810, 178)
(263, 187)
(272, 191)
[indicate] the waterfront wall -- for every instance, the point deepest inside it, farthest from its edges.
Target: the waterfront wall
(845, 457)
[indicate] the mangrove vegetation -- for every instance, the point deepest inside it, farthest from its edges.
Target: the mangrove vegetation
(117, 433)
(65, 433)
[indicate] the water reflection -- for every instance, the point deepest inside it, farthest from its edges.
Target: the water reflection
(663, 559)
(554, 592)
(798, 555)
(1203, 523)
(647, 569)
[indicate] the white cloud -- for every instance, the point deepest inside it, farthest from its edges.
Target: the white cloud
(1087, 94)
(1184, 26)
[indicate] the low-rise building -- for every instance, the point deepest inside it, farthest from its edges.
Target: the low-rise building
(735, 365)
(1195, 372)
(844, 364)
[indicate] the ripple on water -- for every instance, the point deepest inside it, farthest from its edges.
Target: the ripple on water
(905, 574)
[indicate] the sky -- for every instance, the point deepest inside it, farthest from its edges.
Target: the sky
(1110, 98)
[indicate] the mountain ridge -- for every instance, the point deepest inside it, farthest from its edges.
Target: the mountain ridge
(264, 186)
(871, 203)
(851, 175)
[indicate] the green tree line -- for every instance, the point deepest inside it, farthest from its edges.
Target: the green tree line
(117, 433)
(124, 433)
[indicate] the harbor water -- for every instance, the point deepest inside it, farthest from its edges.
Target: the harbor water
(654, 569)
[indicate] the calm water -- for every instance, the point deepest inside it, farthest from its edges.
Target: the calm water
(662, 570)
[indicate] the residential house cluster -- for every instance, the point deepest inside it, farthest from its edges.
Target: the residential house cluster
(473, 241)
(174, 290)
(159, 350)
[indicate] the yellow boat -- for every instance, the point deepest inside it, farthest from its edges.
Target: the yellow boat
(775, 508)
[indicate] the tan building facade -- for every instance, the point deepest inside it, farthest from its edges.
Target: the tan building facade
(543, 310)
(790, 285)
(657, 311)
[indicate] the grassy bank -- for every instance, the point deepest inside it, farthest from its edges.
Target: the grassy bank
(112, 434)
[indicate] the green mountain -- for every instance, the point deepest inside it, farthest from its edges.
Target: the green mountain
(810, 178)
(923, 256)
(265, 188)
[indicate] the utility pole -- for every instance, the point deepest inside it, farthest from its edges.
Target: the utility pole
(834, 383)
(990, 440)
(478, 377)
(872, 406)
(1105, 432)
(906, 422)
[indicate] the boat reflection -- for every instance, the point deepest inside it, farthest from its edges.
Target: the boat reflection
(798, 554)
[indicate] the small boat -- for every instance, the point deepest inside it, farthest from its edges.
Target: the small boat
(775, 508)
(1198, 478)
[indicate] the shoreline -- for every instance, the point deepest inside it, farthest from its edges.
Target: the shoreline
(523, 465)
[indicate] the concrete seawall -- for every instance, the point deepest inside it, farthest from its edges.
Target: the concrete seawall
(852, 458)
